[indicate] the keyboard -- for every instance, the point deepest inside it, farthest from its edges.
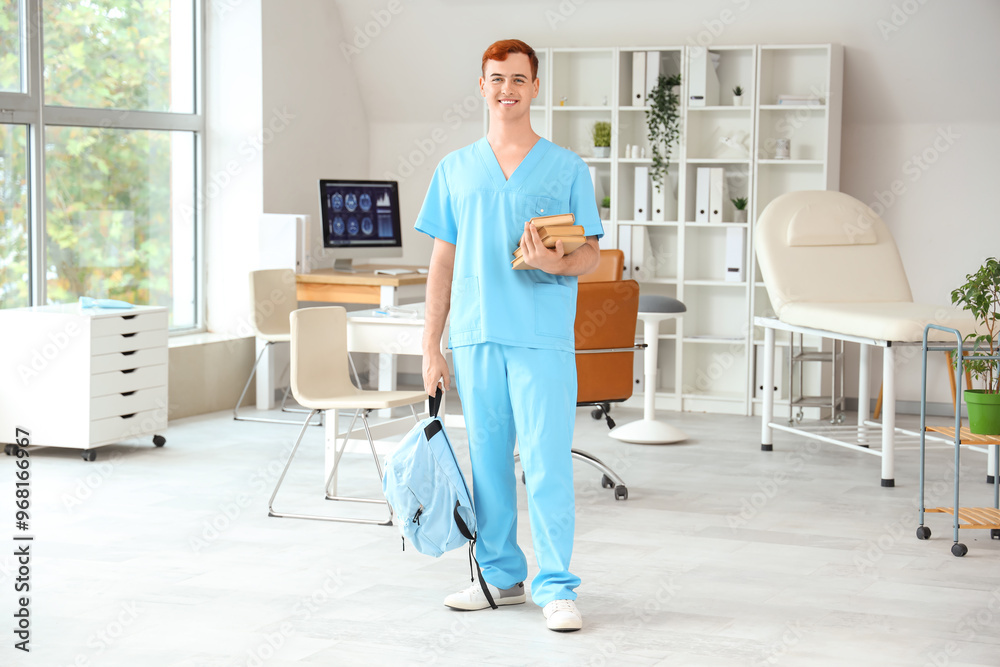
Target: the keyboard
(393, 272)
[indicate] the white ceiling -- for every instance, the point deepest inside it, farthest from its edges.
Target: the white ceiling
(938, 67)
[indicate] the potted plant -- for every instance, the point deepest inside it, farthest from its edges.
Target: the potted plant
(980, 295)
(738, 96)
(663, 122)
(602, 138)
(606, 208)
(740, 204)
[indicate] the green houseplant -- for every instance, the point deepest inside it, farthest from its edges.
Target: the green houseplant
(740, 204)
(738, 96)
(602, 138)
(663, 122)
(606, 208)
(980, 295)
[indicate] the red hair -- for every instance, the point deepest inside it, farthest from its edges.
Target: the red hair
(500, 50)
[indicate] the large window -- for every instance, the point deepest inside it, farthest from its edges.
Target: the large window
(10, 45)
(107, 206)
(13, 216)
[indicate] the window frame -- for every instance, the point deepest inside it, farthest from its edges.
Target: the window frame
(28, 108)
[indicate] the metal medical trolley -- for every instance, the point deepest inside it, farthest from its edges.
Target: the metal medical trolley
(985, 518)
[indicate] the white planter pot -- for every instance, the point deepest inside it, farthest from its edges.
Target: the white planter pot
(737, 100)
(739, 216)
(602, 151)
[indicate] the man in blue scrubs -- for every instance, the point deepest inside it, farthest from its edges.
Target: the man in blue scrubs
(511, 331)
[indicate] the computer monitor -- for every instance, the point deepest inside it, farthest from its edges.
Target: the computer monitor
(360, 219)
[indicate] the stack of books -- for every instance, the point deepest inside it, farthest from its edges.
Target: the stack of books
(552, 228)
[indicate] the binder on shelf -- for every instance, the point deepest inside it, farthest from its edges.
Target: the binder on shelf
(716, 193)
(701, 195)
(658, 205)
(642, 200)
(625, 245)
(652, 71)
(735, 242)
(642, 254)
(703, 82)
(598, 188)
(638, 78)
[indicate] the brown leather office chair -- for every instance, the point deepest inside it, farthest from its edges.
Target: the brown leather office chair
(607, 309)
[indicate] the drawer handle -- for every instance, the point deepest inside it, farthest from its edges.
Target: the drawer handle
(129, 317)
(129, 335)
(131, 370)
(129, 352)
(127, 416)
(128, 393)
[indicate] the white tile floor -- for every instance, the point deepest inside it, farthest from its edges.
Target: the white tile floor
(722, 555)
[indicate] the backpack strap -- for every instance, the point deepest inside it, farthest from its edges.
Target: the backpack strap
(467, 534)
(434, 403)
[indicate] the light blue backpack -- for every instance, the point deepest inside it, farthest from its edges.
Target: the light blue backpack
(427, 491)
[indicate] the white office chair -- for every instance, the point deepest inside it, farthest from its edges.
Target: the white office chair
(320, 382)
(272, 299)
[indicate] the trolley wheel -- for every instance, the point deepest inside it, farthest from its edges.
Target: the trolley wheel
(596, 413)
(621, 492)
(959, 549)
(799, 416)
(841, 418)
(159, 440)
(10, 450)
(923, 533)
(606, 482)
(994, 534)
(89, 455)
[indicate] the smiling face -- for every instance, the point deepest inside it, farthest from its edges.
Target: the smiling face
(508, 87)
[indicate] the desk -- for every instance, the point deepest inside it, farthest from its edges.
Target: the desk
(365, 286)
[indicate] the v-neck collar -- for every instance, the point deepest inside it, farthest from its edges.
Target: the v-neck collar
(521, 172)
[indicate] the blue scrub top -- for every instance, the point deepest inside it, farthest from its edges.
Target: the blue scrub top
(470, 204)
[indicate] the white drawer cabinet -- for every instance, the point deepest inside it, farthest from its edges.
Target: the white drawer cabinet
(83, 377)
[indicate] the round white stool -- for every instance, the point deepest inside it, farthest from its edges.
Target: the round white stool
(653, 309)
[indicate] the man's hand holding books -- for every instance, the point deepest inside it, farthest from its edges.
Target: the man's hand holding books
(546, 240)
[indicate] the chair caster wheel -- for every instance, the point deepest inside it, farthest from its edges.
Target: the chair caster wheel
(841, 418)
(10, 450)
(606, 482)
(89, 455)
(799, 416)
(621, 492)
(959, 549)
(923, 533)
(596, 413)
(159, 440)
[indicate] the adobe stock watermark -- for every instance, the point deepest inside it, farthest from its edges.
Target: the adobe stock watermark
(102, 640)
(899, 16)
(52, 345)
(425, 147)
(364, 34)
(714, 28)
(249, 149)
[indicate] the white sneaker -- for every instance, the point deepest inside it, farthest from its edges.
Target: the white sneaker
(473, 598)
(563, 616)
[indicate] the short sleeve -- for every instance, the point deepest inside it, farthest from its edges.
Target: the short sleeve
(437, 216)
(583, 204)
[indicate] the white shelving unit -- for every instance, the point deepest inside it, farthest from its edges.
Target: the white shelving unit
(708, 358)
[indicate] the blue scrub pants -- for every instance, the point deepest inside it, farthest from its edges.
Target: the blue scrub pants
(531, 394)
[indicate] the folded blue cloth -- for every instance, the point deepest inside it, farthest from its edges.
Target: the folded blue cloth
(90, 302)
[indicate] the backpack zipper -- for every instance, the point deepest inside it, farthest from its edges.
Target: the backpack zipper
(416, 517)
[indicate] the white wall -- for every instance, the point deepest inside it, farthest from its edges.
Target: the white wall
(233, 164)
(915, 70)
(312, 102)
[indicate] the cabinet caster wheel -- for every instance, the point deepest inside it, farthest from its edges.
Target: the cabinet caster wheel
(994, 534)
(959, 549)
(621, 493)
(606, 482)
(923, 533)
(159, 440)
(10, 450)
(596, 413)
(89, 455)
